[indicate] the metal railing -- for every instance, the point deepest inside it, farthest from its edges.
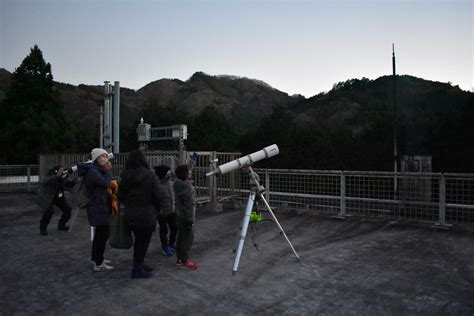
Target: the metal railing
(19, 178)
(427, 197)
(205, 187)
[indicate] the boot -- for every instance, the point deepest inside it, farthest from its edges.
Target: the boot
(147, 268)
(139, 273)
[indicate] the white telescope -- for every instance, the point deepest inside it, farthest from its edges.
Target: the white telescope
(74, 168)
(245, 161)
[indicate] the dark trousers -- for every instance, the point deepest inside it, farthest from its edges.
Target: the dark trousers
(48, 213)
(142, 236)
(185, 239)
(167, 224)
(98, 244)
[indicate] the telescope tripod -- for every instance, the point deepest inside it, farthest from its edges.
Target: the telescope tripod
(256, 190)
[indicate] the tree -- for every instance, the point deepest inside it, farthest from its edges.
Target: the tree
(211, 130)
(32, 118)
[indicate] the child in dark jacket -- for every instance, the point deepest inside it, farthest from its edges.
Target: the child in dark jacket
(167, 217)
(186, 212)
(52, 194)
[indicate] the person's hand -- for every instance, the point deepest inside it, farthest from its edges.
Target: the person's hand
(60, 172)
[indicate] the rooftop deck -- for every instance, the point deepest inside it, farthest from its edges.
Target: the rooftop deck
(355, 267)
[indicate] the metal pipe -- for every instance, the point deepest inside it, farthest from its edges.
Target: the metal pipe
(116, 120)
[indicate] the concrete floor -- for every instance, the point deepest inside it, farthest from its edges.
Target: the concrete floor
(356, 267)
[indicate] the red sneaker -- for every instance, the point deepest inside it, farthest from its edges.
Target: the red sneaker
(188, 264)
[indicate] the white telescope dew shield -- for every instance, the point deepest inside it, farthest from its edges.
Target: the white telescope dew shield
(75, 167)
(245, 161)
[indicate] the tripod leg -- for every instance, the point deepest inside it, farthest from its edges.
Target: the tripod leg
(243, 231)
(278, 224)
(75, 211)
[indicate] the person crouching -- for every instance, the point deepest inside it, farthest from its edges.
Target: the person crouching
(52, 194)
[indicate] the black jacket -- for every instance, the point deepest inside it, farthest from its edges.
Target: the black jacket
(138, 191)
(51, 186)
(96, 181)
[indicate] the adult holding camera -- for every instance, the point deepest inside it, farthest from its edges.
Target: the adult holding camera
(52, 194)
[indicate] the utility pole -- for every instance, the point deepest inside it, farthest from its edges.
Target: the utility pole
(395, 121)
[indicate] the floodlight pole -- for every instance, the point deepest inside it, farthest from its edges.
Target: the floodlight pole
(395, 123)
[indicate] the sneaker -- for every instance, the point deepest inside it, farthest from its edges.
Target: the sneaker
(63, 228)
(188, 264)
(102, 268)
(43, 232)
(172, 247)
(103, 261)
(166, 251)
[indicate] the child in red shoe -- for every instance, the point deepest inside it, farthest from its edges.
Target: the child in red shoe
(186, 212)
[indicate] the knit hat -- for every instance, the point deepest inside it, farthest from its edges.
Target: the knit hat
(96, 152)
(161, 171)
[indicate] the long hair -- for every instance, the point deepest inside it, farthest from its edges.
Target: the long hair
(135, 160)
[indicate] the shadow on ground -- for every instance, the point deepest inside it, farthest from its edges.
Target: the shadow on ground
(356, 267)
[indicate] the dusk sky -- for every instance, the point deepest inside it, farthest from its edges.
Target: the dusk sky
(295, 46)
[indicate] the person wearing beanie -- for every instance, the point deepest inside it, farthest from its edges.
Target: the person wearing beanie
(52, 194)
(167, 217)
(97, 179)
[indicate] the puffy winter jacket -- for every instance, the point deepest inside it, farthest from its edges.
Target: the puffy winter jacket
(96, 181)
(166, 196)
(185, 200)
(138, 191)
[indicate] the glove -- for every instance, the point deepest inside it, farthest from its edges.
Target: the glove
(194, 156)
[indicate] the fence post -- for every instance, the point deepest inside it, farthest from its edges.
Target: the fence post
(212, 180)
(267, 186)
(342, 201)
(183, 155)
(41, 167)
(441, 224)
(232, 179)
(28, 178)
